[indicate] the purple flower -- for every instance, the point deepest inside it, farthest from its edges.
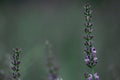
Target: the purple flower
(89, 77)
(96, 76)
(51, 77)
(93, 50)
(95, 59)
(87, 60)
(58, 78)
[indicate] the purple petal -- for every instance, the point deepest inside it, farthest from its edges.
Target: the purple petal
(87, 60)
(95, 59)
(96, 76)
(51, 77)
(93, 50)
(90, 77)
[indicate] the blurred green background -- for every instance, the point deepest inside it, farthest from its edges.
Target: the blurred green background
(29, 23)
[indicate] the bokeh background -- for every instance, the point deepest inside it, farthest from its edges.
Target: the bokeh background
(29, 23)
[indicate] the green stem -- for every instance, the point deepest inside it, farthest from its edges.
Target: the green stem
(93, 73)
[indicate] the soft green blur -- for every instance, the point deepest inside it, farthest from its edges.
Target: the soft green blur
(28, 24)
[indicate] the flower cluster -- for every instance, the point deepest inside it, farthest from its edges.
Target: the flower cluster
(91, 76)
(15, 64)
(90, 51)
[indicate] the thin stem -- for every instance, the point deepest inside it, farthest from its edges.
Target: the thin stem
(93, 73)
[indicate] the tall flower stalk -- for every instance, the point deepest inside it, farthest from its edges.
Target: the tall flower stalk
(90, 51)
(52, 67)
(15, 64)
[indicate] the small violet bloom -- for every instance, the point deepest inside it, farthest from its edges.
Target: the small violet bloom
(93, 50)
(96, 76)
(95, 59)
(87, 60)
(58, 79)
(51, 77)
(89, 77)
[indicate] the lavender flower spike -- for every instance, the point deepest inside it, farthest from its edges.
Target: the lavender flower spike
(15, 64)
(90, 51)
(52, 67)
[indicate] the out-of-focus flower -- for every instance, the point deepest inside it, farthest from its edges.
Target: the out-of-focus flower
(93, 50)
(95, 59)
(96, 76)
(87, 60)
(52, 66)
(89, 77)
